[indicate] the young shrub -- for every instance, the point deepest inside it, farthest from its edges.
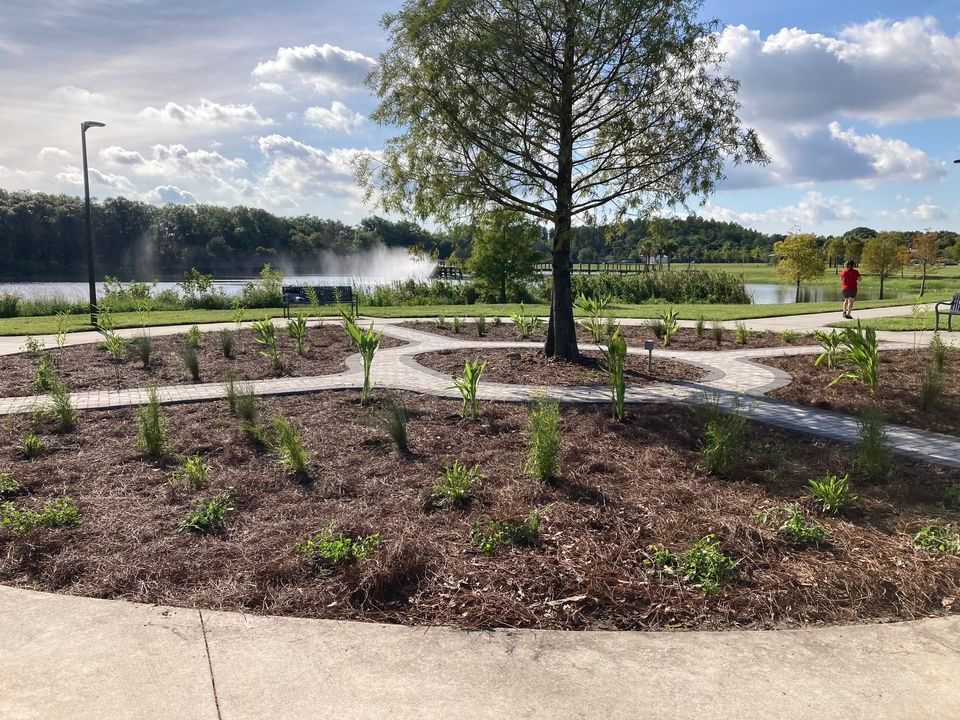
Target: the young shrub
(938, 352)
(740, 334)
(61, 408)
(831, 342)
(616, 356)
(152, 437)
(32, 446)
(861, 349)
(671, 325)
(194, 337)
(116, 346)
(265, 335)
(297, 329)
(456, 324)
(33, 348)
(543, 440)
(193, 472)
(700, 326)
(497, 321)
(657, 328)
(288, 446)
(328, 547)
(207, 515)
(9, 487)
(931, 388)
(440, 322)
(724, 444)
(595, 311)
(704, 564)
(143, 346)
(874, 459)
(951, 497)
(716, 332)
(788, 336)
(939, 537)
(481, 325)
(467, 385)
(508, 532)
(227, 339)
(191, 360)
(789, 521)
(61, 513)
(45, 378)
(242, 401)
(525, 325)
(832, 494)
(455, 485)
(366, 342)
(393, 420)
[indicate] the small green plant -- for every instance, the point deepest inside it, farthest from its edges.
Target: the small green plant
(700, 327)
(831, 342)
(152, 434)
(193, 472)
(832, 493)
(497, 321)
(242, 401)
(939, 537)
(45, 378)
(61, 408)
(393, 420)
(287, 444)
(238, 313)
(716, 332)
(874, 459)
(265, 335)
(931, 388)
(741, 335)
(525, 325)
(297, 329)
(788, 336)
(671, 325)
(367, 342)
(861, 349)
(330, 547)
(657, 328)
(441, 322)
(455, 485)
(314, 299)
(595, 311)
(194, 337)
(61, 335)
(938, 352)
(9, 487)
(704, 564)
(115, 345)
(543, 440)
(508, 532)
(207, 515)
(951, 497)
(227, 339)
(467, 385)
(33, 348)
(616, 357)
(191, 360)
(724, 444)
(456, 324)
(143, 346)
(32, 446)
(60, 513)
(789, 521)
(481, 326)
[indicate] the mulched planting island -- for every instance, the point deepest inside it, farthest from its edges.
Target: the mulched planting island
(901, 377)
(635, 335)
(624, 488)
(89, 367)
(530, 367)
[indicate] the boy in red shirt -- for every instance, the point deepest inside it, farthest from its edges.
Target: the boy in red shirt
(848, 287)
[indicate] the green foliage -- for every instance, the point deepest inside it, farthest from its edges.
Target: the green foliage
(227, 339)
(115, 345)
(503, 255)
(266, 290)
(194, 337)
(334, 548)
(799, 259)
(455, 485)
(508, 532)
(287, 444)
(191, 361)
(788, 336)
(45, 377)
(242, 401)
(671, 325)
(144, 348)
(33, 348)
(9, 305)
(938, 352)
(789, 521)
(10, 487)
(874, 458)
(931, 388)
(703, 564)
(716, 331)
(297, 329)
(193, 472)
(467, 385)
(367, 342)
(595, 309)
(526, 325)
(951, 497)
(698, 328)
(939, 537)
(207, 514)
(616, 356)
(832, 343)
(883, 255)
(481, 326)
(440, 322)
(61, 408)
(314, 300)
(393, 419)
(740, 333)
(860, 348)
(724, 444)
(61, 333)
(456, 324)
(60, 513)
(32, 446)
(152, 434)
(265, 335)
(543, 440)
(832, 493)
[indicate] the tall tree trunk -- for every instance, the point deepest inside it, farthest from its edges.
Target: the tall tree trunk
(503, 289)
(923, 282)
(797, 298)
(562, 331)
(882, 275)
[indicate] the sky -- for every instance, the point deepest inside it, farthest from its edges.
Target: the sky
(240, 102)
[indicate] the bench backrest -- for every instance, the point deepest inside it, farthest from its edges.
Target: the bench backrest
(955, 305)
(326, 294)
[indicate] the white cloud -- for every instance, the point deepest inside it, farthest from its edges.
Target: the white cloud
(325, 67)
(926, 209)
(274, 89)
(76, 95)
(308, 171)
(72, 175)
(337, 117)
(172, 161)
(54, 153)
(207, 115)
(163, 194)
(812, 210)
(890, 158)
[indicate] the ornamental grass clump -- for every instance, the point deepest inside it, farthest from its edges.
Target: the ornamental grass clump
(703, 565)
(297, 329)
(700, 326)
(456, 324)
(143, 346)
(724, 444)
(789, 521)
(543, 440)
(61, 408)
(331, 547)
(832, 494)
(32, 446)
(481, 326)
(874, 458)
(939, 537)
(287, 445)
(242, 401)
(392, 418)
(931, 388)
(468, 385)
(152, 434)
(367, 342)
(741, 334)
(191, 361)
(455, 484)
(616, 357)
(265, 335)
(716, 332)
(207, 515)
(508, 532)
(193, 472)
(938, 352)
(525, 325)
(227, 340)
(60, 513)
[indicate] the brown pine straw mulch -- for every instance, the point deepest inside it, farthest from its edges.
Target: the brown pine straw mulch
(901, 377)
(89, 367)
(531, 367)
(624, 487)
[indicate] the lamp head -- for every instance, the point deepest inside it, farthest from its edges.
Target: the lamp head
(87, 124)
(956, 162)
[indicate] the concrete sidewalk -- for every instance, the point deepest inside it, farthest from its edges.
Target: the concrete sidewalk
(82, 659)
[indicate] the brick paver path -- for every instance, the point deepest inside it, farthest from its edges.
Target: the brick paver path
(733, 376)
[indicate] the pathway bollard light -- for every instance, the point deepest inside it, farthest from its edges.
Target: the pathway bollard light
(91, 277)
(648, 346)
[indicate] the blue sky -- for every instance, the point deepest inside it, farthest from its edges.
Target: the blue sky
(230, 102)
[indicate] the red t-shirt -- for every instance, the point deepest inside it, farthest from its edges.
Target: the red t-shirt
(849, 279)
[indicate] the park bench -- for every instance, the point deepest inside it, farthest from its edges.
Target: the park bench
(953, 308)
(326, 295)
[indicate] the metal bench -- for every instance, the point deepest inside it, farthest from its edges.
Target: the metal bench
(953, 308)
(326, 295)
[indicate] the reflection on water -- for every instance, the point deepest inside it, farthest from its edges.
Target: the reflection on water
(772, 294)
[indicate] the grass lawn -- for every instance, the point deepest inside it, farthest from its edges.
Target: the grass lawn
(903, 324)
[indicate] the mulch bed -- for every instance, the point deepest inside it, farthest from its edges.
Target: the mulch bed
(901, 376)
(624, 487)
(635, 336)
(88, 367)
(531, 367)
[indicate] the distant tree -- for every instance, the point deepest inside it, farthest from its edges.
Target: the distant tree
(926, 249)
(860, 233)
(956, 251)
(799, 259)
(852, 251)
(835, 250)
(883, 255)
(504, 254)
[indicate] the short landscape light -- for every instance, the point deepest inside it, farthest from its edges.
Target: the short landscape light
(648, 346)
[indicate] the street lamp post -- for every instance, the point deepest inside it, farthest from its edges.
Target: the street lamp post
(91, 277)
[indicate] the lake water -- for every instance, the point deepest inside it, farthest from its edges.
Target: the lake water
(773, 294)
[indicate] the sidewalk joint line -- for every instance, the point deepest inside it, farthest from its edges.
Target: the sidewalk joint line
(213, 680)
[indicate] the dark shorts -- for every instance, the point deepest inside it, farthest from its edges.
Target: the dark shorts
(849, 294)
